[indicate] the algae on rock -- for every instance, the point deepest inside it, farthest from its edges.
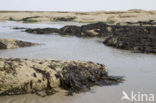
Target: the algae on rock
(21, 76)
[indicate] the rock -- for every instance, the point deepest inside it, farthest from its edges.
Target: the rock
(43, 31)
(150, 22)
(135, 38)
(2, 46)
(64, 18)
(71, 30)
(142, 43)
(140, 23)
(17, 76)
(11, 43)
(30, 19)
(24, 44)
(16, 28)
(99, 29)
(90, 30)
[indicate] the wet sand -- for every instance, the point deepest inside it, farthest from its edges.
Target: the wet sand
(138, 69)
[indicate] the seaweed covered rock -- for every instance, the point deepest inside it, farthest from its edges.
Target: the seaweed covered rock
(21, 76)
(2, 46)
(72, 30)
(129, 37)
(68, 18)
(11, 43)
(95, 30)
(141, 43)
(90, 30)
(80, 78)
(140, 23)
(43, 31)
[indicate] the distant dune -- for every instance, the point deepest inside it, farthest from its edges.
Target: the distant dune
(88, 17)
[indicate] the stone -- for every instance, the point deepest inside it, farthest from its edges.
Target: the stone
(12, 43)
(73, 76)
(2, 46)
(129, 37)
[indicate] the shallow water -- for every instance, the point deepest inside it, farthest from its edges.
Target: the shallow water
(139, 70)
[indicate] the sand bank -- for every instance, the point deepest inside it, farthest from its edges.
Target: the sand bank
(88, 17)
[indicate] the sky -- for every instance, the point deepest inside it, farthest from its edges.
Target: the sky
(76, 5)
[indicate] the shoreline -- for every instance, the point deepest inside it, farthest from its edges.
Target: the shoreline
(86, 17)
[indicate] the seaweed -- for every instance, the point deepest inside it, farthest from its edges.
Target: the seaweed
(77, 79)
(64, 18)
(2, 46)
(14, 91)
(49, 89)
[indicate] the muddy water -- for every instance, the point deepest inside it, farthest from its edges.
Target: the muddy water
(139, 70)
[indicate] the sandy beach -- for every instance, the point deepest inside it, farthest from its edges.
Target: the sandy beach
(88, 17)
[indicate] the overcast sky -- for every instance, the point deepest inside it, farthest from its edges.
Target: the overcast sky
(76, 5)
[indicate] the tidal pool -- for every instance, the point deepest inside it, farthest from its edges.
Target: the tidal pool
(139, 70)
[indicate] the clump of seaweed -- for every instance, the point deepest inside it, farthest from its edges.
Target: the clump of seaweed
(64, 18)
(30, 19)
(11, 19)
(77, 79)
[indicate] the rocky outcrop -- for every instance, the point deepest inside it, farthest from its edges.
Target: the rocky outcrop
(135, 38)
(21, 76)
(140, 43)
(11, 43)
(140, 39)
(95, 30)
(90, 30)
(43, 31)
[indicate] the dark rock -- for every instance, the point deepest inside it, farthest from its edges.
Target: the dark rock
(137, 43)
(135, 38)
(64, 18)
(24, 44)
(90, 30)
(28, 18)
(19, 28)
(2, 46)
(150, 22)
(71, 30)
(43, 31)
